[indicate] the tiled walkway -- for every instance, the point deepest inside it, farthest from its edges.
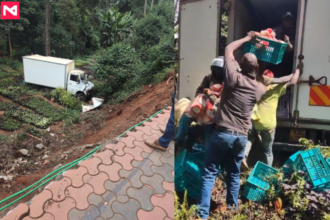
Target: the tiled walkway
(129, 181)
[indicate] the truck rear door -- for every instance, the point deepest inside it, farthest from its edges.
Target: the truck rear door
(199, 42)
(313, 102)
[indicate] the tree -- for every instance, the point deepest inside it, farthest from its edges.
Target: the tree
(152, 4)
(28, 8)
(47, 26)
(116, 26)
(145, 8)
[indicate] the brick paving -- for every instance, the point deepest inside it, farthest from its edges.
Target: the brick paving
(128, 181)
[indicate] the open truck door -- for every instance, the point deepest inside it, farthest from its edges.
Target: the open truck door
(198, 44)
(310, 100)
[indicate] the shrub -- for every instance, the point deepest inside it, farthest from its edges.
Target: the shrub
(119, 67)
(98, 89)
(150, 30)
(160, 57)
(66, 99)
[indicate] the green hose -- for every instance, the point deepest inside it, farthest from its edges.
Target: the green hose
(67, 166)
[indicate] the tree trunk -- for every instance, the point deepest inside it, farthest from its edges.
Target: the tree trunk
(10, 46)
(152, 4)
(47, 25)
(145, 8)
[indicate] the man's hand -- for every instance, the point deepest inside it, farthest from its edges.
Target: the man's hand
(286, 39)
(253, 35)
(207, 92)
(300, 66)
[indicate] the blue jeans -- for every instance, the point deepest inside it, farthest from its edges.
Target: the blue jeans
(267, 140)
(183, 128)
(228, 150)
(168, 136)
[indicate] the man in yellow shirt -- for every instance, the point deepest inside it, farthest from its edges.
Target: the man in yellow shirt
(264, 116)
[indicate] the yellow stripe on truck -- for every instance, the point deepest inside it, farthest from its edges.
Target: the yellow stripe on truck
(320, 93)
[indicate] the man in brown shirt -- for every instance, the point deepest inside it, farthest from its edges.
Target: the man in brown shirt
(226, 147)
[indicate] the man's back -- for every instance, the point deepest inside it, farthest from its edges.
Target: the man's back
(267, 107)
(240, 94)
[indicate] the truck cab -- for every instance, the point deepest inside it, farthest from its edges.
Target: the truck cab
(79, 85)
(304, 110)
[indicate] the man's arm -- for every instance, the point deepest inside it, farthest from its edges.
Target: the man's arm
(296, 75)
(287, 40)
(229, 51)
(280, 80)
(204, 85)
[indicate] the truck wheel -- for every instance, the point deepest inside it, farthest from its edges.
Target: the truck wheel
(81, 97)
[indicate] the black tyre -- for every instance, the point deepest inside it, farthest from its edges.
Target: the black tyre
(81, 97)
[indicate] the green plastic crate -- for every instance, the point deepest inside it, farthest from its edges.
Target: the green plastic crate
(188, 172)
(315, 167)
(272, 53)
(288, 165)
(258, 182)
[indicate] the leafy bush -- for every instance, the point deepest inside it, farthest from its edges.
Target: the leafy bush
(120, 67)
(160, 57)
(66, 99)
(9, 124)
(150, 30)
(42, 107)
(183, 211)
(98, 90)
(301, 202)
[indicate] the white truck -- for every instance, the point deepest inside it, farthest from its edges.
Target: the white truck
(307, 104)
(55, 72)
